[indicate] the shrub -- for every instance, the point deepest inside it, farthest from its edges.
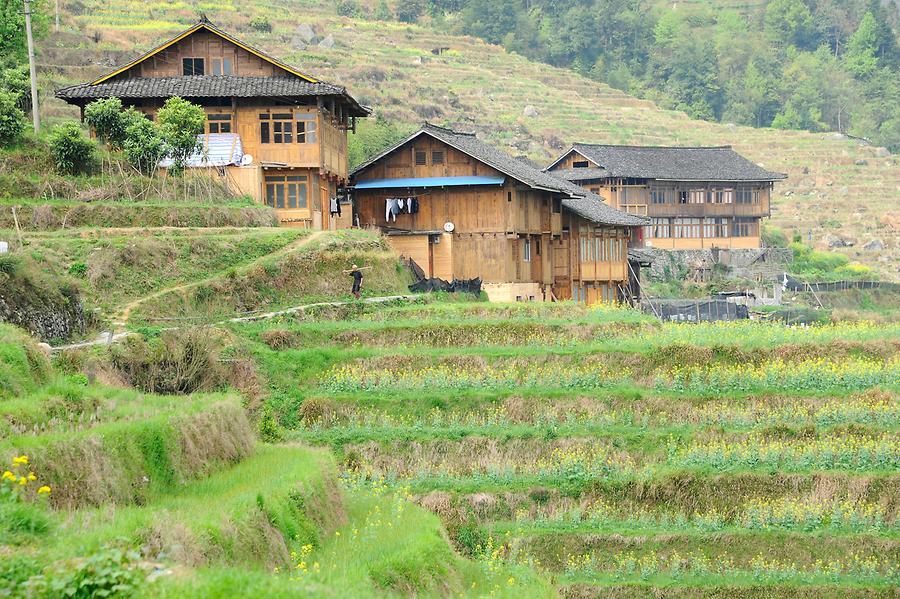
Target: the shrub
(279, 339)
(268, 427)
(261, 24)
(72, 152)
(143, 145)
(110, 121)
(111, 572)
(78, 269)
(349, 8)
(180, 123)
(179, 362)
(12, 119)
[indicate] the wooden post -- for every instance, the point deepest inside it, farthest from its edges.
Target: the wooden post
(18, 230)
(35, 113)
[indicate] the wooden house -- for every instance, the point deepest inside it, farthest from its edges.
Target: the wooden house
(282, 133)
(695, 198)
(461, 209)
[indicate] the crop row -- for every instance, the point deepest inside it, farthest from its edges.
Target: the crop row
(807, 375)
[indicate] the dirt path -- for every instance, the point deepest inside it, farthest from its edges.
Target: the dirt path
(120, 318)
(109, 337)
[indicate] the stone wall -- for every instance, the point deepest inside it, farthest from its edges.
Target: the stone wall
(763, 264)
(47, 309)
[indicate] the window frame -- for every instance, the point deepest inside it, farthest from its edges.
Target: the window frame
(195, 60)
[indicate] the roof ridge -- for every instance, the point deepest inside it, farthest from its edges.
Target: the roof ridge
(428, 125)
(591, 145)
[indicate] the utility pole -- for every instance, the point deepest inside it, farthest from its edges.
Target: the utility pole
(35, 113)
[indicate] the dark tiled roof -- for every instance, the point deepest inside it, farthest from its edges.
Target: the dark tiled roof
(580, 201)
(581, 174)
(204, 86)
(679, 164)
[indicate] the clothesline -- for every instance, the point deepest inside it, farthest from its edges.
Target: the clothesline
(396, 206)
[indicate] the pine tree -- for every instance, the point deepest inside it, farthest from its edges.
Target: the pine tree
(861, 58)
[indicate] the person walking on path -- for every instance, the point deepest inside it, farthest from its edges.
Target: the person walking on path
(357, 275)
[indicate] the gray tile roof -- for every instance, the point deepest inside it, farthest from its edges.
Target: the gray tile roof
(204, 86)
(674, 163)
(579, 200)
(581, 174)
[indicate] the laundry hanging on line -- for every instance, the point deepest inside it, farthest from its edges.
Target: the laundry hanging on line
(335, 206)
(396, 206)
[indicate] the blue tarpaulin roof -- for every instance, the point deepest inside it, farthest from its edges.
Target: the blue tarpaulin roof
(428, 182)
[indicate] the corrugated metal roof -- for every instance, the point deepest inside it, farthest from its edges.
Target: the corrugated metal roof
(429, 182)
(216, 149)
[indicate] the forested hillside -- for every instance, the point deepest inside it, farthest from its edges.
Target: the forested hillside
(819, 65)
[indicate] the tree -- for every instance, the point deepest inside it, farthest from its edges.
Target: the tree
(107, 118)
(12, 119)
(72, 152)
(490, 20)
(13, 50)
(789, 22)
(383, 11)
(180, 124)
(144, 146)
(261, 24)
(349, 8)
(409, 11)
(861, 58)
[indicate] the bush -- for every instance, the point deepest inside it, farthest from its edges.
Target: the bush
(12, 119)
(349, 8)
(108, 120)
(261, 24)
(180, 123)
(179, 362)
(111, 572)
(143, 146)
(72, 152)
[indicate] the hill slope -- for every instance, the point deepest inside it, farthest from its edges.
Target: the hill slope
(836, 186)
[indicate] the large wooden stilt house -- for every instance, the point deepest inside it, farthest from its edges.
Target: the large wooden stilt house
(695, 197)
(462, 209)
(273, 132)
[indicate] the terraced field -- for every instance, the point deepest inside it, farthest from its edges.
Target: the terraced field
(614, 454)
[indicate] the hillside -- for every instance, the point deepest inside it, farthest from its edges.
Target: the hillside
(836, 186)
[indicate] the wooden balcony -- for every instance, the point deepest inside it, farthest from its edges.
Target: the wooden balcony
(707, 210)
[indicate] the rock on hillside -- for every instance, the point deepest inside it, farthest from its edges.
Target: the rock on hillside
(49, 309)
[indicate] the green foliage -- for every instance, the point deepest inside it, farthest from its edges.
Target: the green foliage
(179, 362)
(13, 50)
(860, 57)
(711, 61)
(144, 146)
(111, 572)
(72, 151)
(818, 265)
(382, 11)
(180, 123)
(268, 428)
(774, 237)
(12, 119)
(350, 8)
(372, 137)
(109, 120)
(409, 11)
(261, 24)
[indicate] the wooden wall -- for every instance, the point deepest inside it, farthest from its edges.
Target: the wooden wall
(203, 44)
(571, 158)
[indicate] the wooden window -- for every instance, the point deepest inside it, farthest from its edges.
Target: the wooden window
(192, 66)
(746, 195)
(580, 164)
(657, 195)
(509, 196)
(687, 228)
(537, 247)
(276, 128)
(697, 196)
(287, 191)
(218, 123)
(682, 197)
(659, 228)
(306, 127)
(421, 157)
(437, 157)
(744, 227)
(715, 227)
(557, 206)
(527, 256)
(220, 66)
